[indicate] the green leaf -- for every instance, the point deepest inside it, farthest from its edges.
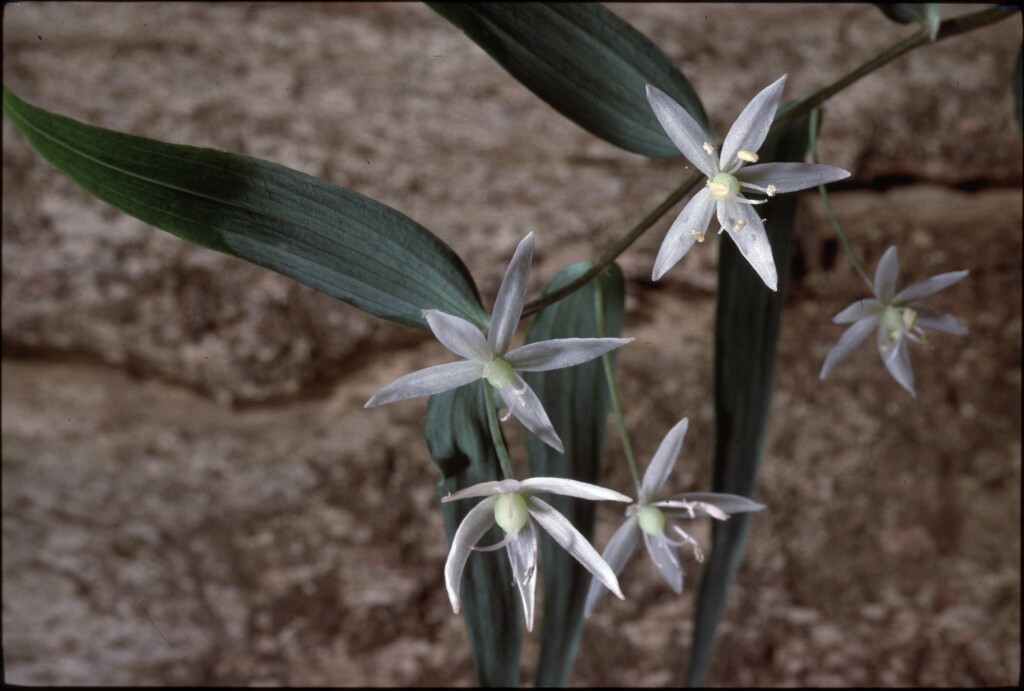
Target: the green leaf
(328, 237)
(748, 316)
(576, 399)
(924, 13)
(585, 62)
(460, 444)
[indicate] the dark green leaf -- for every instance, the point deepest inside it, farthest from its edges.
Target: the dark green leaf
(746, 334)
(576, 399)
(460, 444)
(588, 64)
(331, 238)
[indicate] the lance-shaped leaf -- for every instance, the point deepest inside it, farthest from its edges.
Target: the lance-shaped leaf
(585, 62)
(328, 237)
(577, 401)
(460, 444)
(747, 321)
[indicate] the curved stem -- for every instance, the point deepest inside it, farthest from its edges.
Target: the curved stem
(496, 437)
(613, 393)
(830, 212)
(947, 29)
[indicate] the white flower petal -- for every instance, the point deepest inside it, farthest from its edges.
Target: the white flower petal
(664, 557)
(928, 286)
(484, 489)
(522, 552)
(897, 361)
(751, 127)
(663, 460)
(886, 274)
(427, 382)
(527, 408)
(477, 522)
(458, 335)
(850, 339)
(618, 551)
(688, 136)
(790, 177)
(862, 309)
(572, 488)
(561, 352)
(563, 532)
(947, 323)
(508, 306)
(695, 216)
(729, 503)
(752, 241)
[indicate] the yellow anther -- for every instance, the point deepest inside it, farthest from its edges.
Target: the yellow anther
(748, 156)
(708, 149)
(739, 225)
(718, 189)
(698, 234)
(909, 317)
(772, 189)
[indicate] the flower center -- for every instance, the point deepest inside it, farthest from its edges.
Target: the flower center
(651, 519)
(510, 512)
(724, 186)
(499, 373)
(896, 320)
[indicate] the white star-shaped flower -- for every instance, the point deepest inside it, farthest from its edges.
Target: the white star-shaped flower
(728, 177)
(648, 516)
(488, 357)
(898, 317)
(511, 505)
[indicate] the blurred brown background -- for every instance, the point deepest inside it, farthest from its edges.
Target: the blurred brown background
(194, 494)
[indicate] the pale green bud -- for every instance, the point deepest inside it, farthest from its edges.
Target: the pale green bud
(651, 520)
(499, 373)
(510, 512)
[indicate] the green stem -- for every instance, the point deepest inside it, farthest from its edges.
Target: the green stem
(613, 393)
(496, 437)
(815, 122)
(620, 247)
(947, 29)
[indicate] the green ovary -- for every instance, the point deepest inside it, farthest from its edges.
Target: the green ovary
(898, 319)
(499, 373)
(724, 186)
(651, 520)
(510, 512)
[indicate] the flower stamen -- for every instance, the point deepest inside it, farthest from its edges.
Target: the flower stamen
(748, 156)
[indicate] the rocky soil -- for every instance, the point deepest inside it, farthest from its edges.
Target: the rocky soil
(193, 493)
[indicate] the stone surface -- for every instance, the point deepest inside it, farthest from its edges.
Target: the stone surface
(153, 533)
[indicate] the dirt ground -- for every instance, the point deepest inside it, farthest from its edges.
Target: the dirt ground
(193, 493)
